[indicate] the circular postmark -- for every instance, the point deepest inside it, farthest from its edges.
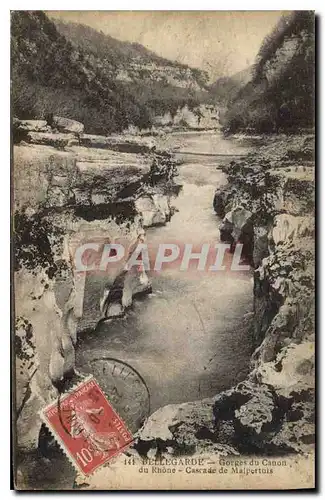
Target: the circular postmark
(123, 386)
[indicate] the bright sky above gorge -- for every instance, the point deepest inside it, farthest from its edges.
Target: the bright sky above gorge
(219, 42)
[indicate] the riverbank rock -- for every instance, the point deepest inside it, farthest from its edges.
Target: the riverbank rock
(67, 125)
(288, 228)
(122, 144)
(55, 140)
(65, 198)
(32, 125)
(155, 209)
(270, 200)
(237, 227)
(178, 430)
(260, 245)
(38, 356)
(220, 201)
(280, 193)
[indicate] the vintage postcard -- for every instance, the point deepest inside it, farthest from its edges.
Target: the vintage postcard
(163, 178)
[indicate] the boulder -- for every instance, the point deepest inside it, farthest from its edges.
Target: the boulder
(292, 375)
(255, 418)
(59, 141)
(248, 408)
(155, 209)
(179, 429)
(67, 125)
(292, 370)
(225, 229)
(240, 218)
(237, 227)
(32, 125)
(280, 330)
(220, 201)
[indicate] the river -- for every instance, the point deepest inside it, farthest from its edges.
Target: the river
(188, 338)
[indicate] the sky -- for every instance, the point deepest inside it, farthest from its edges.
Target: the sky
(219, 42)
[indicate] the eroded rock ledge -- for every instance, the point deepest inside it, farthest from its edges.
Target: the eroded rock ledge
(66, 194)
(268, 206)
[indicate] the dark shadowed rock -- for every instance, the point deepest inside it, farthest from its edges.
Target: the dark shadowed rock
(237, 227)
(220, 200)
(260, 245)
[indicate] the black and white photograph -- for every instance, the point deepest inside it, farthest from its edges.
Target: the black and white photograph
(163, 249)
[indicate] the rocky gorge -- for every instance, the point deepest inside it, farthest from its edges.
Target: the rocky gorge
(115, 146)
(71, 188)
(268, 206)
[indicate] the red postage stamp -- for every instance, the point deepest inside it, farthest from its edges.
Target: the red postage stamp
(86, 426)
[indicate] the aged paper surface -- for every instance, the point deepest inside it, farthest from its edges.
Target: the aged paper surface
(163, 232)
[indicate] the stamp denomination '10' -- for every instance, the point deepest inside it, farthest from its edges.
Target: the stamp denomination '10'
(86, 426)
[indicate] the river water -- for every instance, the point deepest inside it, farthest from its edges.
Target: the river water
(188, 339)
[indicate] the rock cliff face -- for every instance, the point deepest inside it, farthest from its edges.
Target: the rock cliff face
(131, 62)
(157, 85)
(201, 117)
(268, 205)
(280, 93)
(65, 196)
